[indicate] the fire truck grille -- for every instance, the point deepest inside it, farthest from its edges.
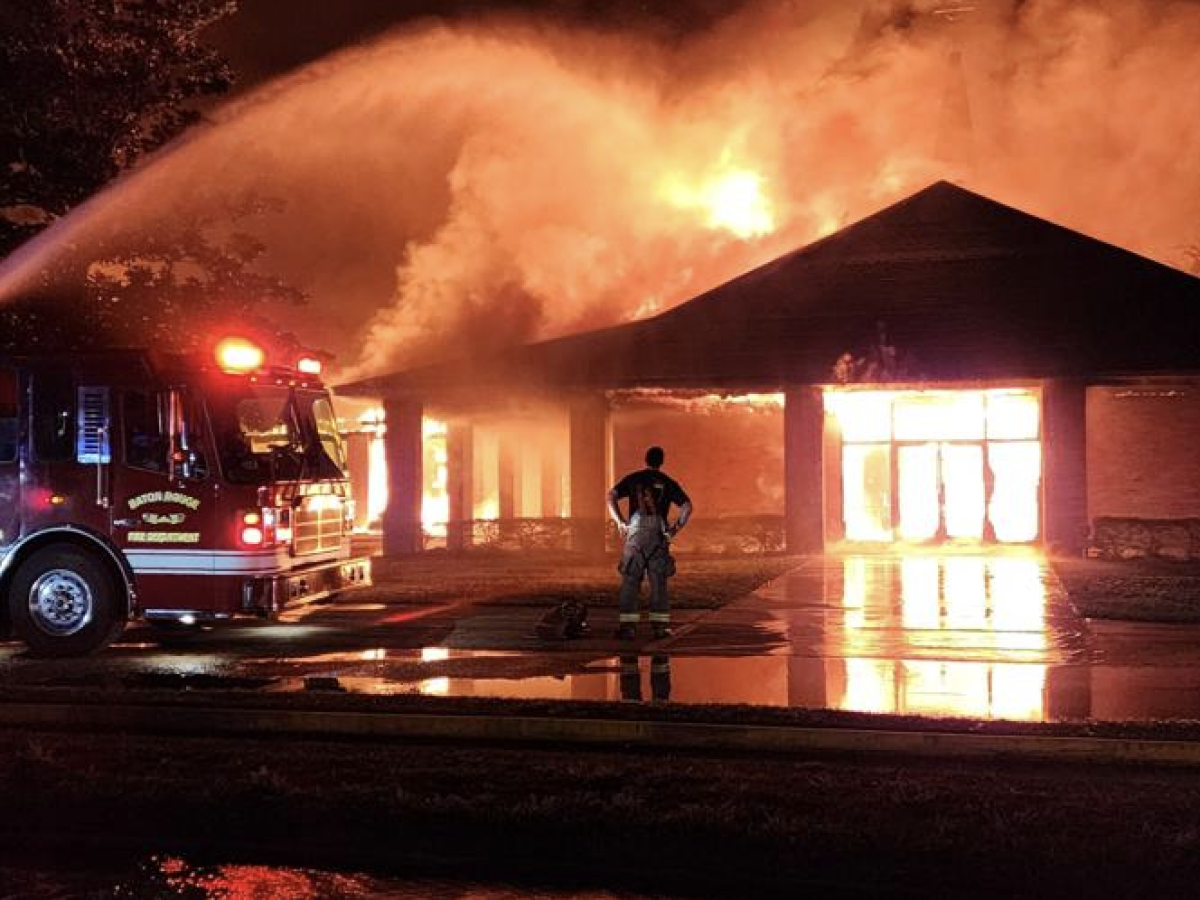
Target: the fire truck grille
(317, 528)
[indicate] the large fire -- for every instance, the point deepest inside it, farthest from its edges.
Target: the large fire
(917, 465)
(566, 174)
(435, 502)
(435, 488)
(734, 200)
(697, 401)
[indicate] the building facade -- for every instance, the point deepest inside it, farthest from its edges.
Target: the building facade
(947, 370)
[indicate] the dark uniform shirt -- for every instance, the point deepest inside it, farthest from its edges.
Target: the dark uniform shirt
(650, 492)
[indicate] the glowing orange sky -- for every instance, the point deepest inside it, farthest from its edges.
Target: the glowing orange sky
(450, 188)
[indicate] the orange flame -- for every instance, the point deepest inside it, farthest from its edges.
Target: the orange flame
(733, 200)
(916, 464)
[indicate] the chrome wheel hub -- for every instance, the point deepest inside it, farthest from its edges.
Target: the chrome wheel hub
(60, 602)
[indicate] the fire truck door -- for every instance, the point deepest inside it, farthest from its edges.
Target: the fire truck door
(162, 500)
(9, 466)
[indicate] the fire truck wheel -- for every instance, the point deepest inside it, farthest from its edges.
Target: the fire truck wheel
(64, 602)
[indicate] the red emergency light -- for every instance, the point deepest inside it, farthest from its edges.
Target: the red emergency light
(251, 534)
(240, 356)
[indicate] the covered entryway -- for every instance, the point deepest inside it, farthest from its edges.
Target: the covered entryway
(951, 369)
(929, 466)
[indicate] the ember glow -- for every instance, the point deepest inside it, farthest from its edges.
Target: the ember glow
(435, 497)
(372, 422)
(695, 402)
(538, 484)
(917, 465)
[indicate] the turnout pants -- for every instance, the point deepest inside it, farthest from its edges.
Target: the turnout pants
(646, 555)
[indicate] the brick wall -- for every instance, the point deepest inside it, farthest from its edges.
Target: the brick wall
(1143, 465)
(1143, 451)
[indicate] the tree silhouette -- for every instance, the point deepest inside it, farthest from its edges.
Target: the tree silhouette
(91, 87)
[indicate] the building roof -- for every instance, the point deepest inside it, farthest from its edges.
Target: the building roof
(962, 287)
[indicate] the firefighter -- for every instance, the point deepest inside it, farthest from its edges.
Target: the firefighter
(647, 533)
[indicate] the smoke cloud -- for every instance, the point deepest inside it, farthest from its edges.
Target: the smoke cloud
(451, 189)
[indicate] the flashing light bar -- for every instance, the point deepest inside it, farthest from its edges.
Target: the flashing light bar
(238, 355)
(309, 365)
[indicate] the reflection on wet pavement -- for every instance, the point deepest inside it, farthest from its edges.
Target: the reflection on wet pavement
(953, 634)
(973, 636)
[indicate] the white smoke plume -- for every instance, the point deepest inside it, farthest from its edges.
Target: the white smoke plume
(450, 189)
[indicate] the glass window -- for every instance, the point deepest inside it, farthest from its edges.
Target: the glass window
(862, 415)
(917, 489)
(53, 417)
(327, 432)
(866, 487)
(268, 432)
(1017, 470)
(939, 416)
(257, 434)
(185, 421)
(266, 420)
(145, 432)
(271, 432)
(1012, 415)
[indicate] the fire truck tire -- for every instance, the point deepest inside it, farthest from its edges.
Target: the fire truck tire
(64, 601)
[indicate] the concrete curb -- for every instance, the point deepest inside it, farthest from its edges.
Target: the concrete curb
(184, 720)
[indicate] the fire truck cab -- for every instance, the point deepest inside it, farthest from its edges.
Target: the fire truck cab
(176, 489)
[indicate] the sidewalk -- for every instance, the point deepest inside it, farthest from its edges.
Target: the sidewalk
(976, 636)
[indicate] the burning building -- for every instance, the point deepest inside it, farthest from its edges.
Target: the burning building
(948, 369)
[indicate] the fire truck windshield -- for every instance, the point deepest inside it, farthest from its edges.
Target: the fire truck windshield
(271, 432)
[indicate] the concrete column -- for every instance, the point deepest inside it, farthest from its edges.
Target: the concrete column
(358, 461)
(804, 501)
(460, 475)
(510, 474)
(529, 478)
(487, 493)
(403, 453)
(1064, 448)
(551, 482)
(590, 437)
(831, 468)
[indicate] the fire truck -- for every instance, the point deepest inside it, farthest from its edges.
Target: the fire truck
(176, 489)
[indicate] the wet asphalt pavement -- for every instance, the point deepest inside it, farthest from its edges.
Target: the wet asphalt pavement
(988, 637)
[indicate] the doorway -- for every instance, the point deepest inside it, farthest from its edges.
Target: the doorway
(936, 466)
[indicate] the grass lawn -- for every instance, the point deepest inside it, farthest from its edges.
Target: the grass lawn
(707, 824)
(543, 578)
(1135, 590)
